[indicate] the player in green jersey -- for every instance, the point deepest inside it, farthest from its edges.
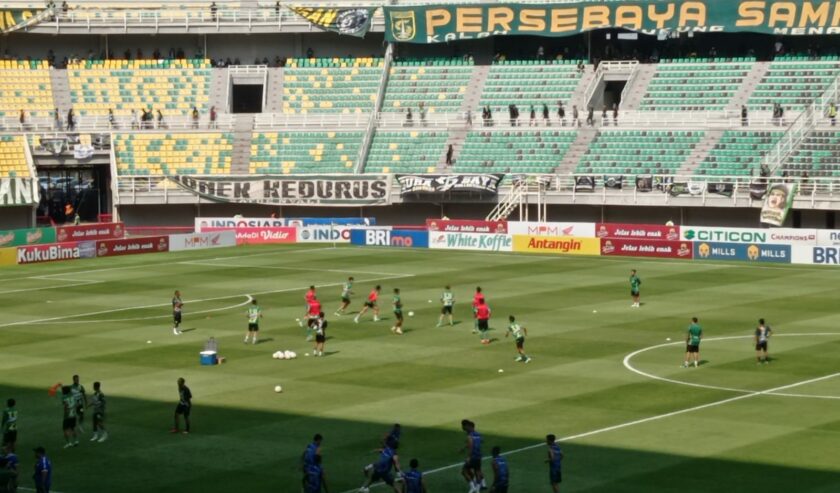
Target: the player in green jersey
(635, 283)
(68, 402)
(78, 391)
(346, 291)
(8, 425)
(519, 332)
(448, 300)
(254, 316)
(398, 314)
(98, 404)
(692, 343)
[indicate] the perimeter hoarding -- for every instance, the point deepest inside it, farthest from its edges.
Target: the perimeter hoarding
(828, 237)
(820, 255)
(747, 252)
(132, 246)
(8, 256)
(31, 236)
(471, 241)
(584, 230)
(781, 236)
(556, 244)
(201, 241)
(647, 248)
(637, 231)
(466, 226)
(53, 252)
(95, 231)
(323, 234)
(390, 238)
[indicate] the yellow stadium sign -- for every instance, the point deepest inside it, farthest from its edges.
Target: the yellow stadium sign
(8, 256)
(565, 245)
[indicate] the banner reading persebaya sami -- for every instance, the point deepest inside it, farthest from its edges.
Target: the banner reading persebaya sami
(450, 22)
(352, 21)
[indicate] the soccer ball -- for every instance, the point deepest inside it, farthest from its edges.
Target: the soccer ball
(281, 355)
(410, 314)
(294, 354)
(276, 355)
(287, 354)
(278, 389)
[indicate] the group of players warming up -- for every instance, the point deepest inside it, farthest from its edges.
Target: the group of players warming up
(387, 469)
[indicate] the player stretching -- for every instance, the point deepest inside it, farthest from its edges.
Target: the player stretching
(320, 328)
(382, 468)
(635, 282)
(555, 458)
(309, 297)
(472, 466)
(183, 408)
(762, 333)
(448, 300)
(519, 332)
(177, 306)
(482, 315)
(501, 476)
(312, 318)
(398, 315)
(392, 437)
(692, 343)
(371, 304)
(98, 404)
(254, 316)
(413, 481)
(478, 298)
(346, 291)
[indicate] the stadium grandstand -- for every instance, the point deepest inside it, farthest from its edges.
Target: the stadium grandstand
(139, 92)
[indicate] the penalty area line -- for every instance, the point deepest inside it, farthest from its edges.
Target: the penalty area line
(635, 422)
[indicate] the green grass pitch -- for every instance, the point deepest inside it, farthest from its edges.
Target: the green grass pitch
(728, 426)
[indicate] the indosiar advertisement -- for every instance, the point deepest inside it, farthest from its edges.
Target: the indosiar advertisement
(747, 252)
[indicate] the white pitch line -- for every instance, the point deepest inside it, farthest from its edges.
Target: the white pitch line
(24, 488)
(158, 305)
(280, 267)
(248, 300)
(632, 355)
(54, 286)
(649, 419)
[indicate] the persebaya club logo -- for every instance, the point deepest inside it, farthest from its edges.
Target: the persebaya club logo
(403, 25)
(689, 234)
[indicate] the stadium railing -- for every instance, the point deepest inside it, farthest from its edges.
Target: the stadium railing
(286, 121)
(101, 123)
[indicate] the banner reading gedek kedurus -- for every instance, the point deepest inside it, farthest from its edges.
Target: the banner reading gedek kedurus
(450, 22)
(348, 190)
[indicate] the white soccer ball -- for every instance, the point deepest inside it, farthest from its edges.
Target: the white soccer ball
(278, 389)
(287, 354)
(410, 314)
(281, 355)
(294, 354)
(275, 355)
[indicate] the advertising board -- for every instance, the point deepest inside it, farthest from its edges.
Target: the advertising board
(819, 255)
(781, 236)
(95, 231)
(556, 244)
(585, 230)
(31, 236)
(748, 252)
(8, 256)
(646, 231)
(647, 248)
(392, 238)
(132, 246)
(200, 241)
(31, 254)
(466, 226)
(471, 241)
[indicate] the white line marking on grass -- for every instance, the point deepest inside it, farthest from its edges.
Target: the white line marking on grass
(280, 267)
(159, 305)
(248, 300)
(24, 488)
(650, 419)
(54, 286)
(632, 355)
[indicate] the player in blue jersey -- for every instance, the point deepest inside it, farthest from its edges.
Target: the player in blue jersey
(413, 481)
(472, 465)
(393, 437)
(43, 471)
(501, 476)
(314, 480)
(555, 458)
(382, 468)
(312, 450)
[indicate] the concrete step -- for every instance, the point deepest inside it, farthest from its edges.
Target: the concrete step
(638, 86)
(576, 98)
(585, 136)
(456, 139)
(700, 151)
(61, 91)
(243, 128)
(274, 97)
(474, 90)
(219, 90)
(758, 71)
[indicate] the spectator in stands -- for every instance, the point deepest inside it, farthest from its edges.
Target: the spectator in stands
(545, 114)
(228, 62)
(615, 114)
(449, 153)
(489, 119)
(127, 54)
(832, 113)
(64, 7)
(581, 68)
(590, 117)
(195, 117)
(56, 120)
(71, 120)
(277, 9)
(575, 116)
(213, 10)
(160, 122)
(310, 53)
(510, 116)
(712, 52)
(778, 48)
(134, 124)
(51, 57)
(744, 116)
(139, 54)
(180, 55)
(533, 117)
(22, 119)
(409, 118)
(540, 53)
(468, 117)
(561, 113)
(422, 113)
(604, 120)
(112, 121)
(156, 54)
(212, 117)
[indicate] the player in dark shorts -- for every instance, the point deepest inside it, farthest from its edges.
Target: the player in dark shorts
(315, 480)
(482, 315)
(80, 396)
(382, 468)
(320, 328)
(472, 465)
(183, 408)
(398, 314)
(309, 455)
(692, 343)
(68, 402)
(413, 478)
(346, 292)
(8, 425)
(762, 334)
(555, 458)
(254, 315)
(635, 286)
(177, 306)
(98, 404)
(501, 474)
(448, 301)
(519, 332)
(370, 304)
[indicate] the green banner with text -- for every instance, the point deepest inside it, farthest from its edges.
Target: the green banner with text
(430, 24)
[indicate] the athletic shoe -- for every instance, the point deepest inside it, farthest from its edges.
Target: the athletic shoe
(174, 430)
(104, 437)
(527, 360)
(376, 319)
(68, 445)
(245, 341)
(185, 432)
(367, 469)
(175, 331)
(254, 340)
(337, 314)
(399, 331)
(95, 437)
(356, 320)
